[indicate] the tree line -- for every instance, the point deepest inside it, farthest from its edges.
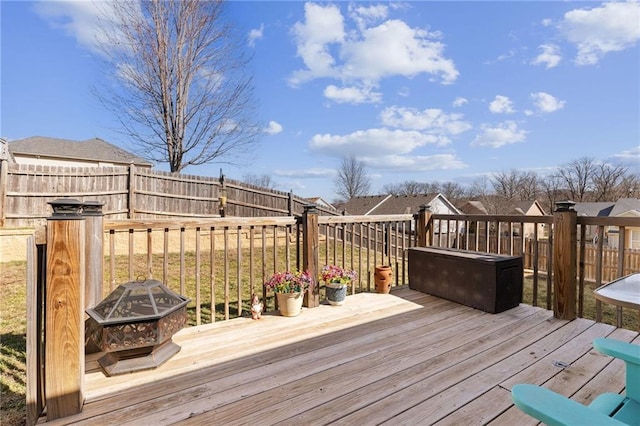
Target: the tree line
(582, 180)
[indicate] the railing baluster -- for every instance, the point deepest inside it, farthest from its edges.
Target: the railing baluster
(197, 271)
(212, 273)
(239, 269)
(165, 257)
(226, 272)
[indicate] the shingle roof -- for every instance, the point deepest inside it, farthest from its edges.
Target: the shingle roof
(473, 207)
(92, 149)
(602, 209)
(522, 207)
(625, 205)
(387, 204)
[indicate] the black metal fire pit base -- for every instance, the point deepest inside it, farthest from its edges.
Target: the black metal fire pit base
(132, 360)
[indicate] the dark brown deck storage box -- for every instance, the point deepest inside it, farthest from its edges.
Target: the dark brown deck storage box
(490, 282)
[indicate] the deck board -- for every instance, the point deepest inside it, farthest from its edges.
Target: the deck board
(404, 358)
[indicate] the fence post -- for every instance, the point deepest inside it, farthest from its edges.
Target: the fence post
(131, 213)
(64, 309)
(290, 203)
(424, 217)
(310, 247)
(3, 190)
(565, 229)
(94, 220)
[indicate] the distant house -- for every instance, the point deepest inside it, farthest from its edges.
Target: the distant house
(404, 204)
(398, 204)
(530, 208)
(624, 207)
(472, 207)
(321, 202)
(94, 152)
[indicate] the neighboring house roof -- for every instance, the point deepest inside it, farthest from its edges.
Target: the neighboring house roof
(626, 205)
(90, 150)
(319, 201)
(473, 207)
(393, 204)
(602, 209)
(609, 208)
(528, 207)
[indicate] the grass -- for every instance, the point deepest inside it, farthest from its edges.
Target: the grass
(13, 326)
(13, 309)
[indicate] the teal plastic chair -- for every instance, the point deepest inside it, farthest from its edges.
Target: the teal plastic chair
(607, 409)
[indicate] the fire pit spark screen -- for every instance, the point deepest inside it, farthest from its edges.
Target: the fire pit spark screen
(134, 325)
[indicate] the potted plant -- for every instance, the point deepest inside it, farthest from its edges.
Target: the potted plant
(336, 280)
(289, 288)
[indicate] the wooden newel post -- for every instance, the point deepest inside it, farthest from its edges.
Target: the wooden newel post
(64, 310)
(94, 249)
(565, 254)
(310, 247)
(424, 216)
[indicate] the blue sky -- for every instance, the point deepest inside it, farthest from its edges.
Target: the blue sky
(425, 91)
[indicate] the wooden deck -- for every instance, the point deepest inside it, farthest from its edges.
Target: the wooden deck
(404, 358)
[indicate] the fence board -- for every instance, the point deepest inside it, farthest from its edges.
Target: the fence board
(134, 193)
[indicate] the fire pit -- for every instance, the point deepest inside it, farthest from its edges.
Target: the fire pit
(134, 325)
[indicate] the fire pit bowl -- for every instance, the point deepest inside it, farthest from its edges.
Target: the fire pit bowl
(134, 325)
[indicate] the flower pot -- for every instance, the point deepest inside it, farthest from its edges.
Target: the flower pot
(383, 278)
(336, 293)
(289, 304)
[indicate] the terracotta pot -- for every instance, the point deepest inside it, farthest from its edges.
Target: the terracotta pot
(289, 304)
(336, 293)
(383, 278)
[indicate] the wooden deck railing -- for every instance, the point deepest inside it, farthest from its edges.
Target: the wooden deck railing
(219, 262)
(595, 264)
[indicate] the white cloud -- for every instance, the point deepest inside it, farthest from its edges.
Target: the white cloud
(393, 48)
(431, 120)
(79, 19)
(459, 101)
(352, 95)
(360, 56)
(611, 27)
(368, 15)
(404, 91)
(631, 156)
(273, 128)
(372, 142)
(546, 102)
(501, 105)
(503, 134)
(546, 22)
(415, 163)
(255, 34)
(306, 173)
(322, 26)
(550, 56)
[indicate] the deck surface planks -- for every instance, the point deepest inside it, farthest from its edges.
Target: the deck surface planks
(404, 358)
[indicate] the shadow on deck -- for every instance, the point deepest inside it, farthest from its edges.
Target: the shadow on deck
(404, 358)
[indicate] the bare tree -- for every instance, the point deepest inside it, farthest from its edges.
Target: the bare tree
(553, 190)
(452, 191)
(607, 182)
(263, 181)
(505, 184)
(178, 83)
(408, 187)
(577, 176)
(352, 180)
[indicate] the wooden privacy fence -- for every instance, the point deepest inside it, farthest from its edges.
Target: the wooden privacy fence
(134, 193)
